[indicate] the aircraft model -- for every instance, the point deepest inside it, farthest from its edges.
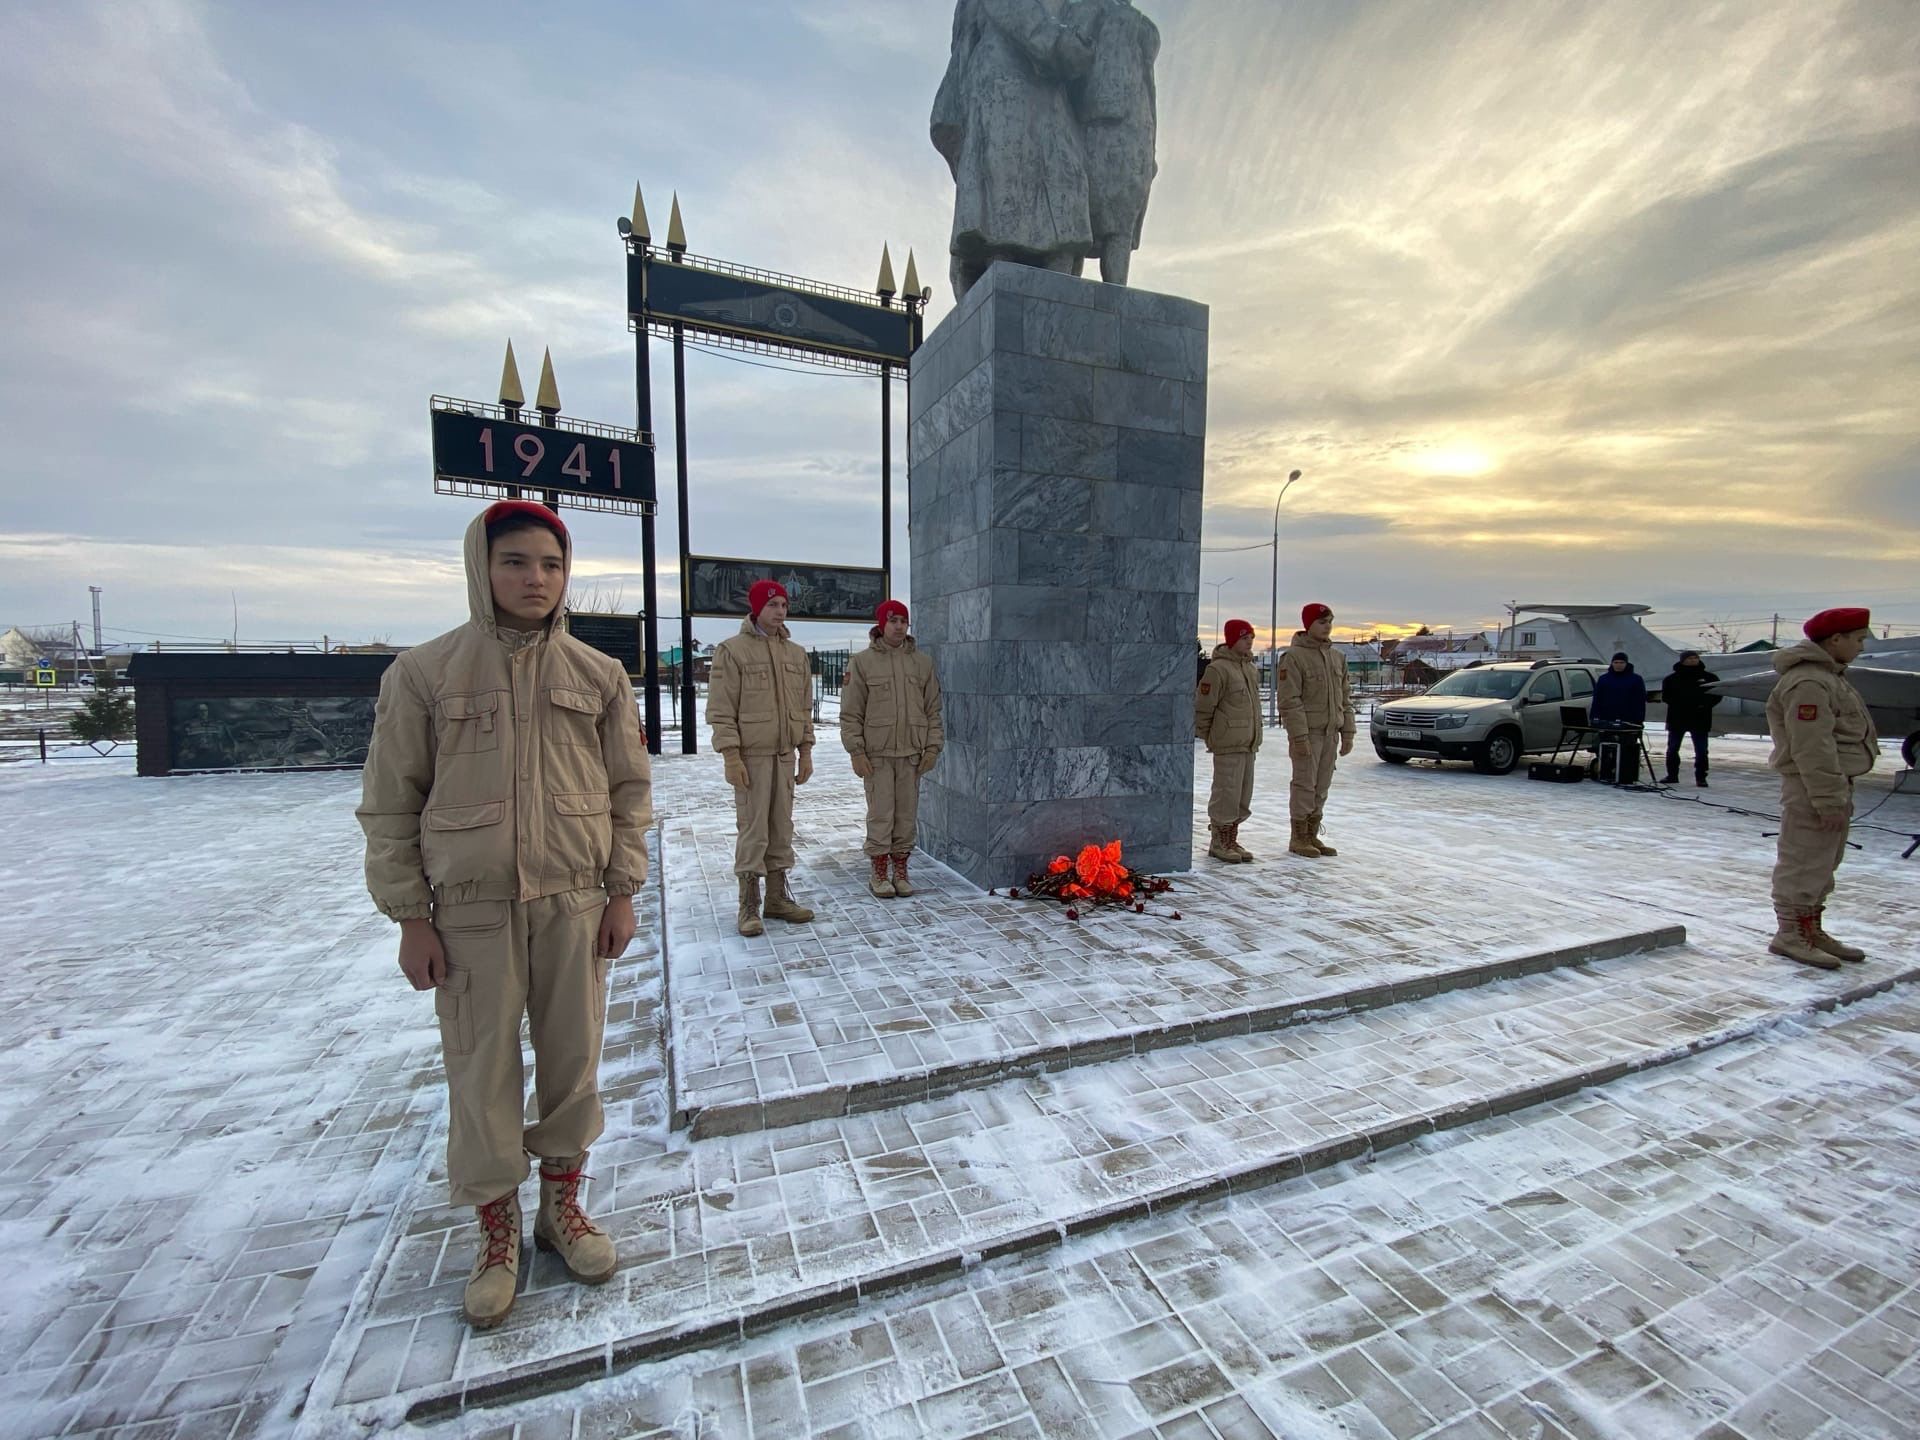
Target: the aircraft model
(1887, 674)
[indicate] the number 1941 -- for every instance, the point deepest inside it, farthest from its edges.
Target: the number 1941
(530, 450)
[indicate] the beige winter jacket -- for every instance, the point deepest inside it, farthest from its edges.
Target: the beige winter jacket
(504, 766)
(890, 703)
(760, 695)
(1314, 696)
(1226, 707)
(1820, 726)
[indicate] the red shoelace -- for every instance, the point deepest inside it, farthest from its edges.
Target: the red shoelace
(567, 1204)
(503, 1234)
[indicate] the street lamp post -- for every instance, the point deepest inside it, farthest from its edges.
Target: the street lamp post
(1273, 619)
(1217, 587)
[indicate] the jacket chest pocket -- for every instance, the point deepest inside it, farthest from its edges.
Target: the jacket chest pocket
(466, 724)
(797, 681)
(579, 832)
(573, 716)
(756, 692)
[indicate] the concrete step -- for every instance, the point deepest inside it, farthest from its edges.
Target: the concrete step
(731, 1235)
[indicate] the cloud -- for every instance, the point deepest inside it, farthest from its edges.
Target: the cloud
(1616, 299)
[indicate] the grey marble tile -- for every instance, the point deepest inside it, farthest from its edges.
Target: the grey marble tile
(1172, 351)
(1039, 612)
(1155, 457)
(1032, 386)
(1145, 402)
(1070, 332)
(1041, 500)
(1052, 443)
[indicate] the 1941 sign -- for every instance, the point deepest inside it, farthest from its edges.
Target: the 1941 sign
(479, 446)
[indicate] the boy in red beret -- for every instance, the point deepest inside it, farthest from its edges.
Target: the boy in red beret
(760, 705)
(1316, 706)
(890, 724)
(505, 802)
(1823, 738)
(1226, 717)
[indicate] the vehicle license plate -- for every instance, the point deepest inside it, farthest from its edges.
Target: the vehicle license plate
(1403, 734)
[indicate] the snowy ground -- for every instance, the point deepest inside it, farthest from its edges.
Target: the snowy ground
(225, 1204)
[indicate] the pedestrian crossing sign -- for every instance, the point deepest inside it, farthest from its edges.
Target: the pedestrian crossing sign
(45, 679)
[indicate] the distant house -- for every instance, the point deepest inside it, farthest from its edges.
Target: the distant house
(18, 651)
(1528, 640)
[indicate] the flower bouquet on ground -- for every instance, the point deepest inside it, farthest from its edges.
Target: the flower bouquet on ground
(1097, 876)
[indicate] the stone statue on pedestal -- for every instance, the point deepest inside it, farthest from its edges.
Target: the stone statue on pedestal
(1045, 118)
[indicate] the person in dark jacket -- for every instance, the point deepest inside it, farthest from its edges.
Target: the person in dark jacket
(1620, 706)
(1689, 712)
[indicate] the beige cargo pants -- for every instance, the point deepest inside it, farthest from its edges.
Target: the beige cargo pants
(505, 959)
(893, 804)
(763, 816)
(1313, 776)
(1231, 799)
(1808, 856)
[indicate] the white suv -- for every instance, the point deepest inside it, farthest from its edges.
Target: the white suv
(1489, 714)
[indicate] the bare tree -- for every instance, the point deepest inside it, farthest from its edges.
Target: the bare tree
(1720, 636)
(593, 600)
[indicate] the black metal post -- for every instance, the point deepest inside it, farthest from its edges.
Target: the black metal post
(513, 414)
(649, 558)
(886, 477)
(689, 731)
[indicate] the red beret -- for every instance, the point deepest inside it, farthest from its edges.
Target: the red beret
(886, 608)
(1311, 613)
(762, 591)
(523, 510)
(1237, 628)
(1836, 622)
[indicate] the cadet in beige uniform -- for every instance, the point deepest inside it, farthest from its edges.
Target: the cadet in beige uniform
(1823, 738)
(505, 802)
(890, 724)
(1226, 717)
(760, 705)
(1316, 706)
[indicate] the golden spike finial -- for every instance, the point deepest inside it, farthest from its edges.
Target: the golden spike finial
(676, 232)
(549, 396)
(641, 225)
(912, 290)
(885, 286)
(510, 391)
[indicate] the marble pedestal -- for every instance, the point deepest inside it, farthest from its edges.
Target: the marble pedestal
(1057, 432)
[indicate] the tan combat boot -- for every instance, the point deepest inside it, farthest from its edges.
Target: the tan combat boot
(880, 883)
(1313, 836)
(780, 902)
(565, 1229)
(1240, 852)
(1302, 841)
(901, 884)
(1219, 847)
(749, 921)
(496, 1264)
(1794, 939)
(1839, 949)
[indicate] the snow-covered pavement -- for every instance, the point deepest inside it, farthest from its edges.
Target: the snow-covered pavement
(1387, 1205)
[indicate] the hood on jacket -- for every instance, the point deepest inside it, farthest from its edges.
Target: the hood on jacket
(878, 644)
(1227, 652)
(480, 583)
(1303, 641)
(1807, 652)
(750, 629)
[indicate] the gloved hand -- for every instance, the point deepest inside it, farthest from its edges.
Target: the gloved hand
(862, 766)
(928, 759)
(1346, 744)
(803, 769)
(736, 770)
(1300, 748)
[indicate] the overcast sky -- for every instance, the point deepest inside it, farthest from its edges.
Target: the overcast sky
(1551, 302)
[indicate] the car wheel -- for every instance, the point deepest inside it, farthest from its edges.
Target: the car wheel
(1500, 754)
(1387, 755)
(1910, 751)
